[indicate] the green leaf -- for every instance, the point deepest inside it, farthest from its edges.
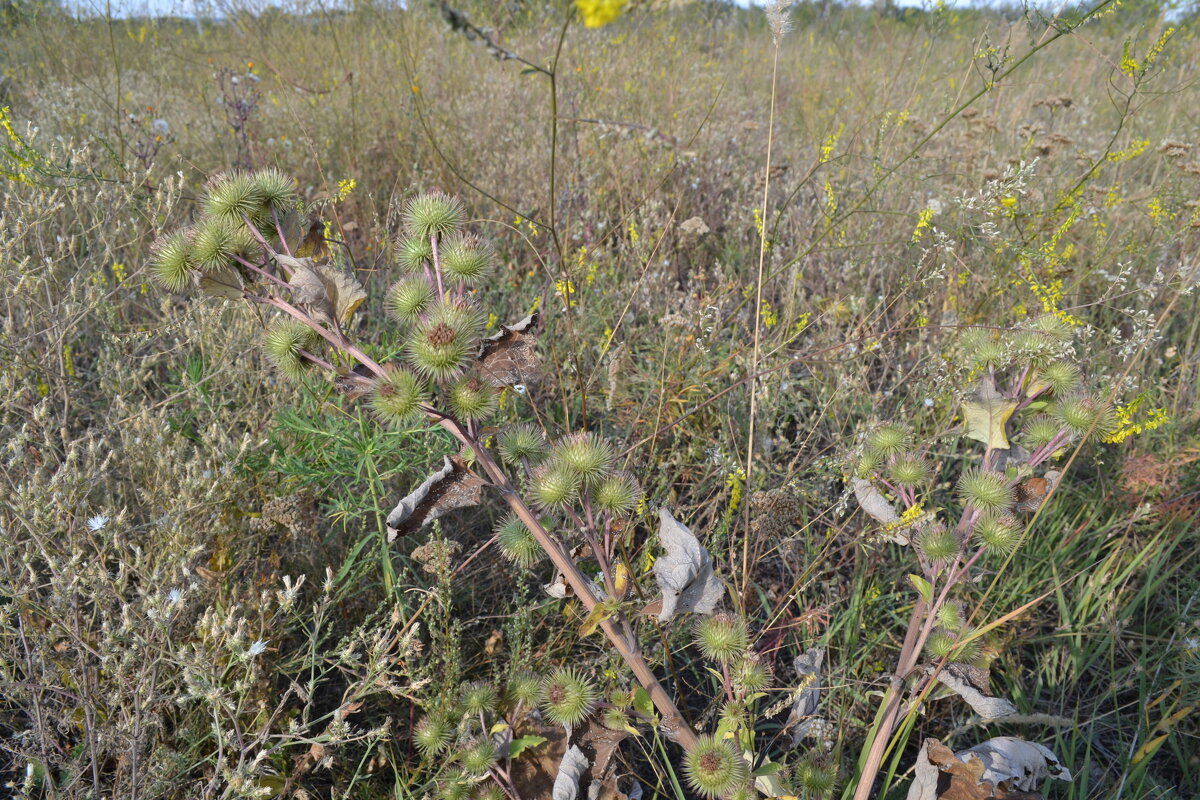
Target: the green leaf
(643, 704)
(768, 768)
(922, 586)
(519, 746)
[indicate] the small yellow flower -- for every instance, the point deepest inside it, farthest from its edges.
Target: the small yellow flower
(598, 13)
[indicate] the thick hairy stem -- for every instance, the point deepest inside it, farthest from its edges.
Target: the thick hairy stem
(673, 721)
(891, 703)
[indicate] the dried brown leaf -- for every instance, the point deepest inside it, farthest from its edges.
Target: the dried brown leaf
(509, 358)
(449, 488)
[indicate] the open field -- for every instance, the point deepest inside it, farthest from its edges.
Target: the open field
(865, 212)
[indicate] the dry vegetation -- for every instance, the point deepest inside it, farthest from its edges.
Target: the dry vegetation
(164, 490)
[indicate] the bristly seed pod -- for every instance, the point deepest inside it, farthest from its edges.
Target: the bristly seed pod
(414, 254)
(524, 689)
(170, 262)
(467, 258)
(283, 343)
(276, 190)
(235, 197)
(213, 244)
(714, 768)
(440, 346)
(432, 734)
(478, 698)
(555, 486)
(522, 441)
(408, 298)
(399, 395)
(517, 543)
(985, 490)
(751, 674)
(1061, 376)
(909, 471)
(889, 440)
(938, 544)
(567, 698)
(617, 494)
(433, 214)
(999, 533)
(722, 637)
(585, 455)
(472, 398)
(479, 757)
(1040, 430)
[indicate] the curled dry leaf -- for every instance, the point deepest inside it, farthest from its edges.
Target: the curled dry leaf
(1003, 768)
(987, 413)
(959, 680)
(876, 506)
(225, 282)
(329, 294)
(693, 226)
(449, 488)
(549, 765)
(570, 771)
(684, 572)
(509, 357)
(804, 709)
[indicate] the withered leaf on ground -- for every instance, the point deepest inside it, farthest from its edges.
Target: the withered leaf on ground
(583, 761)
(684, 572)
(449, 488)
(958, 679)
(1003, 768)
(327, 292)
(510, 357)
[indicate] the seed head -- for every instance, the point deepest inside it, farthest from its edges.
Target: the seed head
(276, 191)
(413, 254)
(283, 343)
(889, 440)
(938, 544)
(714, 768)
(998, 532)
(722, 637)
(985, 490)
(235, 197)
(170, 262)
(585, 455)
(617, 493)
(522, 441)
(467, 258)
(950, 616)
(472, 398)
(517, 542)
(1082, 413)
(440, 346)
(817, 775)
(408, 298)
(214, 241)
(525, 689)
(398, 396)
(555, 486)
(1062, 377)
(479, 757)
(1040, 430)
(432, 734)
(909, 471)
(433, 214)
(751, 675)
(478, 698)
(567, 698)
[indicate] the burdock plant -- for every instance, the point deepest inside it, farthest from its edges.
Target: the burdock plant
(1026, 405)
(567, 500)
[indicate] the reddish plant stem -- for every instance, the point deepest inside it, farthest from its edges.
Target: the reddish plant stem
(673, 721)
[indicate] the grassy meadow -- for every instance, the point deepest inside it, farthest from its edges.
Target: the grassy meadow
(746, 253)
